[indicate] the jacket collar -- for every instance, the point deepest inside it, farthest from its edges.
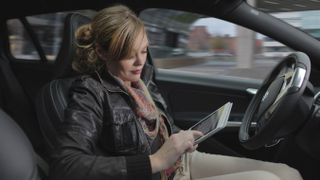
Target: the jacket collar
(113, 85)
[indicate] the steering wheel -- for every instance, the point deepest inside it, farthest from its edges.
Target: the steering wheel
(272, 107)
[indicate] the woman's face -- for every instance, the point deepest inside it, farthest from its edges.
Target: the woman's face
(129, 69)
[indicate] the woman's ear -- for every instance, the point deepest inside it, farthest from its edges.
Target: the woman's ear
(101, 52)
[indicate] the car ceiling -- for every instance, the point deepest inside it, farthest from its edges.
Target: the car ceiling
(16, 8)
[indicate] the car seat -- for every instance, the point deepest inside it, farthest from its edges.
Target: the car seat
(62, 67)
(15, 102)
(53, 97)
(18, 160)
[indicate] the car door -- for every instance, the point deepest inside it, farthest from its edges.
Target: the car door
(202, 63)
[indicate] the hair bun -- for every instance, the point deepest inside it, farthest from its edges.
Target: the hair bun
(84, 35)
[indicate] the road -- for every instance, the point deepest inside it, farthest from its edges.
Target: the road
(259, 70)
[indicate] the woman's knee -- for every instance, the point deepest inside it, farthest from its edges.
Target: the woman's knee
(246, 175)
(262, 175)
(289, 172)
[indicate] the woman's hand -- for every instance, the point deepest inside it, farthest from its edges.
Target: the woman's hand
(173, 148)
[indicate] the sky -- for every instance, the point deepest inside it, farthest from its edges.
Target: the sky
(214, 26)
(219, 27)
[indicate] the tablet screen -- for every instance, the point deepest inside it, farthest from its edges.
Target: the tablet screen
(208, 123)
(213, 122)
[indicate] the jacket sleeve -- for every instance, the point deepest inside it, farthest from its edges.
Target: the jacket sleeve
(75, 156)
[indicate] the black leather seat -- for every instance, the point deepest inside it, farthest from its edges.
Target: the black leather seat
(53, 97)
(15, 102)
(66, 53)
(51, 103)
(17, 157)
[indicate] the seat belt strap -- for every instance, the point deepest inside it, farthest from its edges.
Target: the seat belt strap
(42, 164)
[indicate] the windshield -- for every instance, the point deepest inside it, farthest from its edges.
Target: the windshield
(302, 14)
(307, 21)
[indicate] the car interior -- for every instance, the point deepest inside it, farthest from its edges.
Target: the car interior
(34, 94)
(53, 97)
(27, 167)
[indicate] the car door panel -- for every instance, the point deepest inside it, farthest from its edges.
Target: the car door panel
(191, 97)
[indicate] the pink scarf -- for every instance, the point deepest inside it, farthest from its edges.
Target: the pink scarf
(151, 119)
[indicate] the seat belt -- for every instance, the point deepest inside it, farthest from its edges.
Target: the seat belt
(1, 97)
(42, 165)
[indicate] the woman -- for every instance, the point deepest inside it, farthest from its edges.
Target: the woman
(117, 125)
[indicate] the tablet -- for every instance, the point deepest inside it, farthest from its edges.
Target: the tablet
(213, 123)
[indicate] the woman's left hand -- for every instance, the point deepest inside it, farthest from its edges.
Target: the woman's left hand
(173, 148)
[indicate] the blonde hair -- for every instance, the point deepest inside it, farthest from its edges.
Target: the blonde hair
(114, 29)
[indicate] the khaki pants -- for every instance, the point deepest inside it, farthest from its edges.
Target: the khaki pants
(203, 166)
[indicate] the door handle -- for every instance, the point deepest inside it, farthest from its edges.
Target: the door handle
(251, 91)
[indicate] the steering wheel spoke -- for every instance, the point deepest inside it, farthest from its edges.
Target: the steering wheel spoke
(287, 83)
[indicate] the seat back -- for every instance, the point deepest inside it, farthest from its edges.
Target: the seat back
(53, 97)
(51, 103)
(67, 50)
(1, 98)
(16, 103)
(17, 157)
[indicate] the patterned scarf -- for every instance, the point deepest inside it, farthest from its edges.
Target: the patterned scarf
(151, 118)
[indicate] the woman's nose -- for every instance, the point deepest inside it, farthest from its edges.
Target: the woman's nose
(140, 60)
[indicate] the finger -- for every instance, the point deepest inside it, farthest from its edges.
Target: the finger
(192, 149)
(195, 146)
(194, 133)
(189, 146)
(197, 133)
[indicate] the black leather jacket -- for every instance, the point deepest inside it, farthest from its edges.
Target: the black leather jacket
(101, 137)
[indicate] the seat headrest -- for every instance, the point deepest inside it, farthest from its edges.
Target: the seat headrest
(17, 156)
(67, 50)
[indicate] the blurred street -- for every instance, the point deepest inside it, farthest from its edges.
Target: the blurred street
(259, 70)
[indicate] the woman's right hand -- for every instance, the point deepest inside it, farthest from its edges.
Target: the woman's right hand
(173, 148)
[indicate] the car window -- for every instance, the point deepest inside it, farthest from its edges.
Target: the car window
(48, 28)
(194, 43)
(21, 46)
